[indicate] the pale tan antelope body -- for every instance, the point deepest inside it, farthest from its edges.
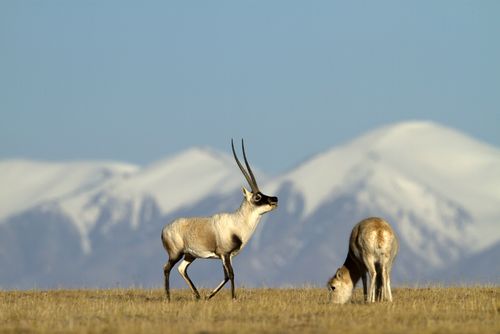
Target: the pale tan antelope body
(220, 236)
(373, 246)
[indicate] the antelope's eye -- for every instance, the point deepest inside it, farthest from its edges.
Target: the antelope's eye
(257, 197)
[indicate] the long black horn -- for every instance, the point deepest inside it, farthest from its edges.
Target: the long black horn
(248, 166)
(249, 180)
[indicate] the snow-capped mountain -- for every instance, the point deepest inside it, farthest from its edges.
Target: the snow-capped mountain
(27, 183)
(98, 224)
(445, 161)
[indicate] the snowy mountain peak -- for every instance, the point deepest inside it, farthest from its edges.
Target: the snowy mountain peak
(28, 183)
(182, 179)
(424, 141)
(193, 156)
(441, 159)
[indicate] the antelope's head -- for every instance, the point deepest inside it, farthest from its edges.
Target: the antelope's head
(255, 198)
(340, 286)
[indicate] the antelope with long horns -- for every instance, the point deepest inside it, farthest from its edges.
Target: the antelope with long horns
(221, 236)
(373, 246)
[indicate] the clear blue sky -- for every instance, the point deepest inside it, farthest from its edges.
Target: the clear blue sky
(137, 81)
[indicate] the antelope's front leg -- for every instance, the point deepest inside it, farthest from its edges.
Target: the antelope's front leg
(229, 268)
(224, 281)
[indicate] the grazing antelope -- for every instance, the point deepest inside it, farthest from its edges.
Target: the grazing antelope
(220, 236)
(373, 246)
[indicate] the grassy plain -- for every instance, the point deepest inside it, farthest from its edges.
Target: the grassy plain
(305, 310)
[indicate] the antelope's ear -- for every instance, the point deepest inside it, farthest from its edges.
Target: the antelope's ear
(246, 193)
(338, 274)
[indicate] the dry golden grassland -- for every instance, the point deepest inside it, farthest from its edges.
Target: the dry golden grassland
(306, 310)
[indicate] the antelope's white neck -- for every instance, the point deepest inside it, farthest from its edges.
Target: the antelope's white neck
(247, 219)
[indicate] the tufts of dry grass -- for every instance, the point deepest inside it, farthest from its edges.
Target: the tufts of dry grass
(422, 310)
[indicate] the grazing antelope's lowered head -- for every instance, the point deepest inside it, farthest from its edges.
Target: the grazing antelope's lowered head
(255, 198)
(340, 286)
(373, 246)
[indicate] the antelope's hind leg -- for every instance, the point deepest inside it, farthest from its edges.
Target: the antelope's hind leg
(388, 282)
(188, 259)
(384, 295)
(166, 272)
(370, 265)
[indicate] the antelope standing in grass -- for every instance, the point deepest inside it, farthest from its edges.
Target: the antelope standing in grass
(220, 236)
(373, 246)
